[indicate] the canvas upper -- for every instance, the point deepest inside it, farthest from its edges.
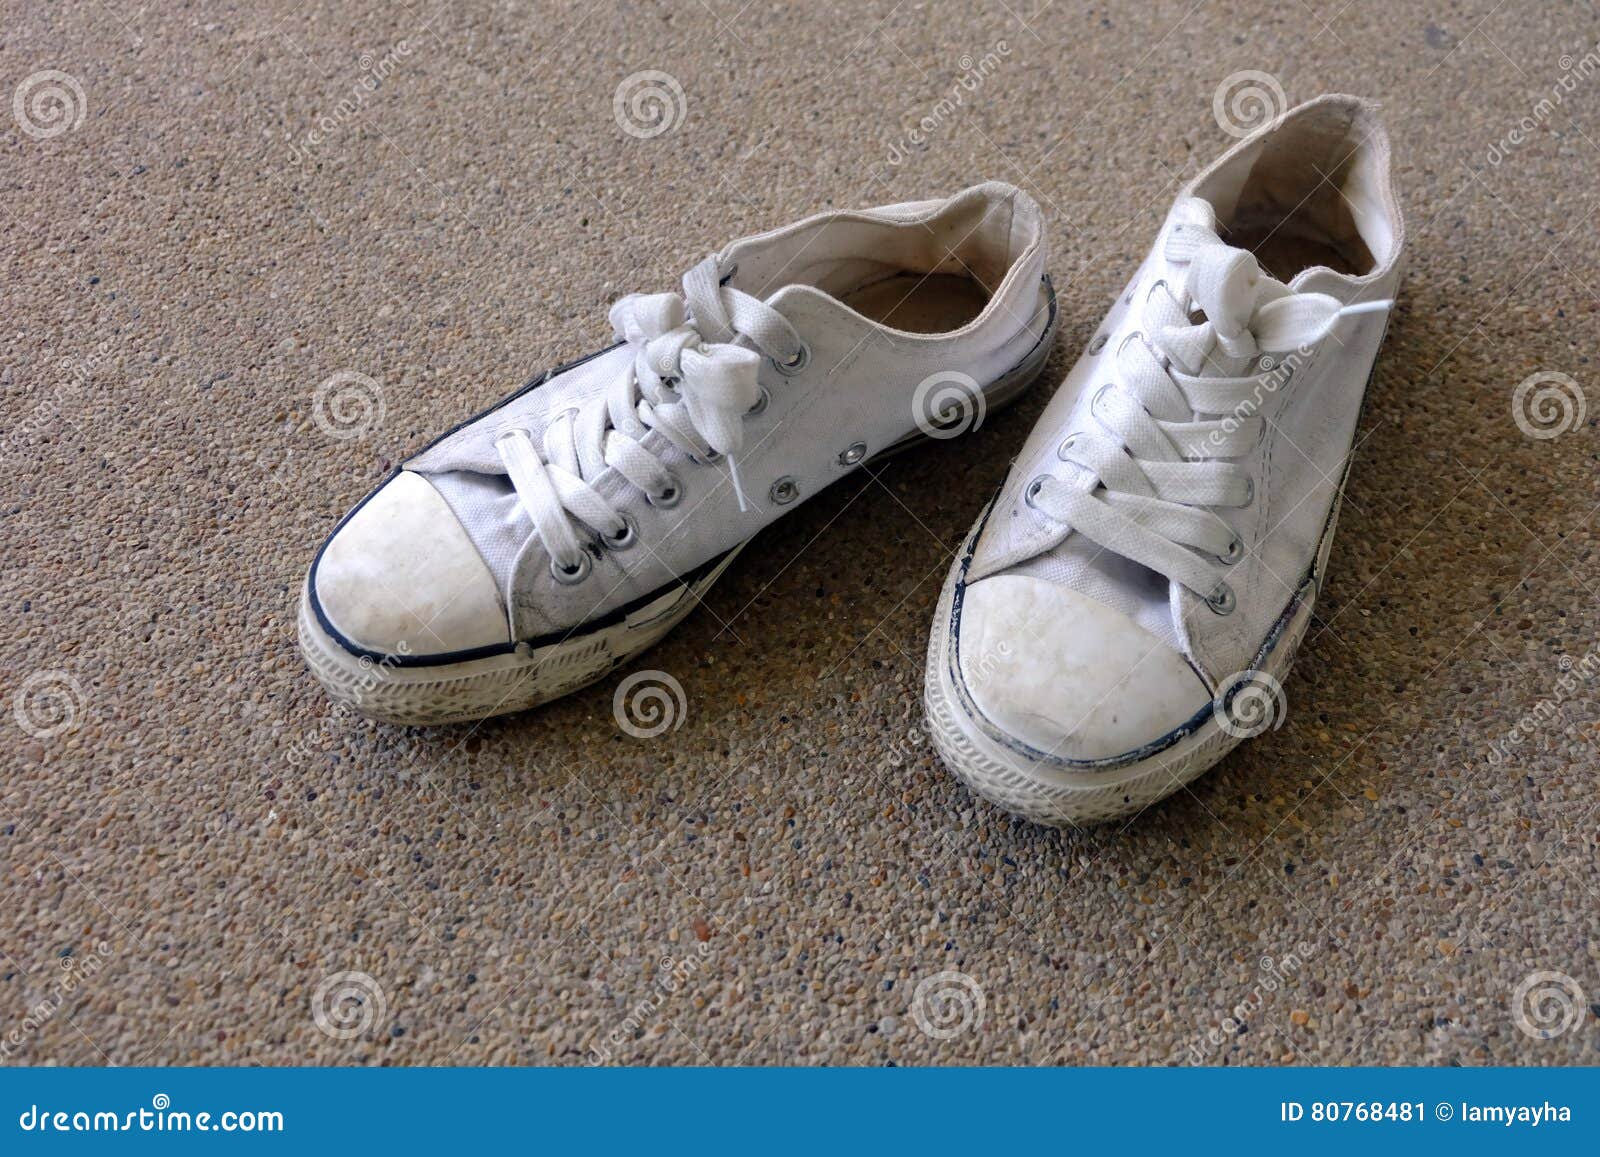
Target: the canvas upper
(785, 361)
(1117, 582)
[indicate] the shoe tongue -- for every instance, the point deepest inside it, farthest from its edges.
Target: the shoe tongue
(1224, 282)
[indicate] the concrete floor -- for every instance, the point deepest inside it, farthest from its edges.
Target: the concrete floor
(201, 859)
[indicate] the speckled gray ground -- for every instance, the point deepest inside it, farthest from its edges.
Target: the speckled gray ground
(192, 842)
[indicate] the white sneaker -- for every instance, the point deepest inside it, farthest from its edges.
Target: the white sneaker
(529, 551)
(1123, 610)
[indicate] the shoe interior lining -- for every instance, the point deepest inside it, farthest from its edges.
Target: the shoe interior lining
(1286, 248)
(920, 303)
(933, 275)
(1313, 193)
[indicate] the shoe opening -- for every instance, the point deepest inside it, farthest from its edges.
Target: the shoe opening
(1313, 190)
(925, 267)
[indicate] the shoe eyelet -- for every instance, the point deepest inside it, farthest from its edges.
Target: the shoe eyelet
(622, 541)
(784, 491)
(1032, 492)
(790, 368)
(1067, 443)
(1222, 600)
(728, 273)
(761, 404)
(1094, 402)
(575, 574)
(707, 458)
(852, 453)
(1235, 553)
(1249, 492)
(1098, 344)
(669, 497)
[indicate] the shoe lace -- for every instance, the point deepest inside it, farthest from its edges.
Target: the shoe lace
(1153, 463)
(688, 380)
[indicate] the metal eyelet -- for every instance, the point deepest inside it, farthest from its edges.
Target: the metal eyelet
(1094, 402)
(1098, 344)
(784, 491)
(1067, 443)
(576, 574)
(1033, 489)
(622, 541)
(1222, 600)
(852, 453)
(761, 404)
(671, 496)
(707, 458)
(1249, 492)
(790, 368)
(1235, 553)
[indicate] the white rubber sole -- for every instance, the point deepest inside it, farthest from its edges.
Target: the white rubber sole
(476, 689)
(1055, 792)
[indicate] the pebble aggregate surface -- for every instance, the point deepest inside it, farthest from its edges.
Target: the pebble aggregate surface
(202, 861)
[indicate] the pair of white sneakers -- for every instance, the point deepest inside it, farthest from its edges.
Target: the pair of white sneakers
(1124, 608)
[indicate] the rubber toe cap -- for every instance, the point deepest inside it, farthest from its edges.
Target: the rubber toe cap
(401, 577)
(1068, 676)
